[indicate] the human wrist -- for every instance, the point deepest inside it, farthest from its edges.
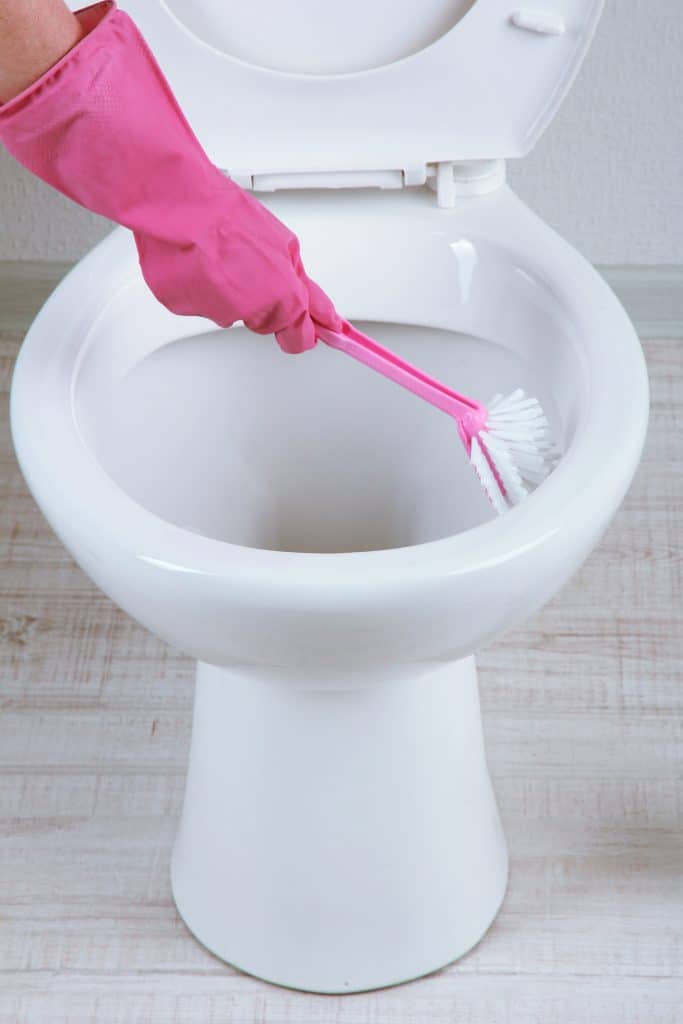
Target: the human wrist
(33, 38)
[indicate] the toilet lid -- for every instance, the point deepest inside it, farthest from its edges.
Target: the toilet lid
(318, 86)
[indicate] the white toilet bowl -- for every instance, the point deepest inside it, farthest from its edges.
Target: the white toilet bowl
(316, 539)
(311, 534)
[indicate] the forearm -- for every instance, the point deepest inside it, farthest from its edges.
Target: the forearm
(104, 127)
(34, 35)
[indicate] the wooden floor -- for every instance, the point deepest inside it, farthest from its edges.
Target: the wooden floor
(584, 728)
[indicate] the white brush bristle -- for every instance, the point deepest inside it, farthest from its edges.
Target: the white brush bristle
(516, 442)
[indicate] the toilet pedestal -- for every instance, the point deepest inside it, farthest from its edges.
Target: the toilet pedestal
(339, 840)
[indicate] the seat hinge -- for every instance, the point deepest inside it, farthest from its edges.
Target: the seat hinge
(448, 179)
(464, 178)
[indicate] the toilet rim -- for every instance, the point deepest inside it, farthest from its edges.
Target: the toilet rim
(59, 465)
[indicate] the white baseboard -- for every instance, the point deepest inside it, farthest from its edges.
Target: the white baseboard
(651, 295)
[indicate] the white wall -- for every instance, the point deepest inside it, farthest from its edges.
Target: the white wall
(608, 174)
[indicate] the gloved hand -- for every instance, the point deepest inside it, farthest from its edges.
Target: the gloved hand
(104, 128)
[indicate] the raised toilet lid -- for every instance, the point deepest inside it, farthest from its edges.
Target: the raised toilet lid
(273, 87)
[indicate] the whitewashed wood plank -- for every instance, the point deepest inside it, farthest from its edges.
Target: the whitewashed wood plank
(74, 998)
(652, 295)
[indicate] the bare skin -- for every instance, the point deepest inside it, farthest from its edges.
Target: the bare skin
(34, 35)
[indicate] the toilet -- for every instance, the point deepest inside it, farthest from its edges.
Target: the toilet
(308, 532)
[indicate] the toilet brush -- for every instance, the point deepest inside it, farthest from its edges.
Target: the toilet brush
(508, 441)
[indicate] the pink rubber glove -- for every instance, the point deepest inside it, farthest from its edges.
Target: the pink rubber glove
(104, 128)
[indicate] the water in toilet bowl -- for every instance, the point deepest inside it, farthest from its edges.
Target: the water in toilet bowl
(225, 436)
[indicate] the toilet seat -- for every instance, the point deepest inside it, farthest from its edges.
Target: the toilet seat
(392, 122)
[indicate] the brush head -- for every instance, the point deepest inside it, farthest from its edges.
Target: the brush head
(513, 452)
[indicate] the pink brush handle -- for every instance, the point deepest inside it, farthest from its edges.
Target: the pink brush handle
(363, 348)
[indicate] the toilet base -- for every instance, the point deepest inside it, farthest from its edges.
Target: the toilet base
(339, 840)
